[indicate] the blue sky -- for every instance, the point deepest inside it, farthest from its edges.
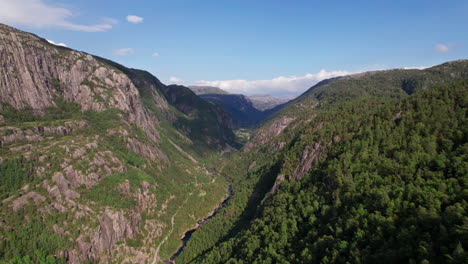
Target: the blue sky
(255, 47)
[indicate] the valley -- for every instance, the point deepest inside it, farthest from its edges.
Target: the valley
(188, 234)
(247, 112)
(100, 163)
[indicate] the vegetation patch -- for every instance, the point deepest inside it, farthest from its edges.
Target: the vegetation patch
(14, 173)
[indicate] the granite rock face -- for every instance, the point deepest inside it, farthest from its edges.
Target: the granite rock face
(34, 72)
(266, 134)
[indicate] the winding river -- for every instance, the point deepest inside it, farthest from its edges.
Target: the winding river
(201, 222)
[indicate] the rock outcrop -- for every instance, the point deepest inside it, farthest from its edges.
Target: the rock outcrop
(267, 134)
(308, 158)
(10, 134)
(25, 199)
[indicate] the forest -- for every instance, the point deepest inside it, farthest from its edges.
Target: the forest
(391, 188)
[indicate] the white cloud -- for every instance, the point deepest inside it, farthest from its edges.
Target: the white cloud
(38, 14)
(134, 19)
(123, 52)
(383, 67)
(176, 80)
(156, 54)
(441, 48)
(56, 44)
(415, 67)
(280, 86)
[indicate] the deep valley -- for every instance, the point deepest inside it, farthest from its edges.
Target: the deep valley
(101, 163)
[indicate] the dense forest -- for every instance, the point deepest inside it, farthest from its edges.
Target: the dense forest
(390, 185)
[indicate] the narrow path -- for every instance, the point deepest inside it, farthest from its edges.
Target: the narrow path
(156, 254)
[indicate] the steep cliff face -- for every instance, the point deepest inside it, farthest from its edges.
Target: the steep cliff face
(35, 72)
(94, 160)
(268, 133)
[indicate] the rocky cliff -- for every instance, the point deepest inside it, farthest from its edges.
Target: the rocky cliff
(35, 72)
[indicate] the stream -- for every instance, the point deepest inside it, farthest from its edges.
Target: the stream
(201, 222)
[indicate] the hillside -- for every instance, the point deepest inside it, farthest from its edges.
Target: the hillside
(199, 90)
(99, 163)
(360, 169)
(239, 108)
(267, 102)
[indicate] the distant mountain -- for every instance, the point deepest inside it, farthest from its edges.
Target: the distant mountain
(207, 90)
(245, 111)
(266, 102)
(239, 107)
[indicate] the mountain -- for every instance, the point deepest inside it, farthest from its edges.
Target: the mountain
(99, 163)
(199, 116)
(239, 108)
(361, 169)
(245, 111)
(199, 90)
(267, 102)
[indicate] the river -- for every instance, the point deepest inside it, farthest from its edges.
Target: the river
(201, 222)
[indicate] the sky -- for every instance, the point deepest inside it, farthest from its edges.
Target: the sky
(274, 47)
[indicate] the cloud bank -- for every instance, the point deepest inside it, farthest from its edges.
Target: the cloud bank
(134, 19)
(415, 67)
(38, 14)
(176, 80)
(56, 44)
(280, 86)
